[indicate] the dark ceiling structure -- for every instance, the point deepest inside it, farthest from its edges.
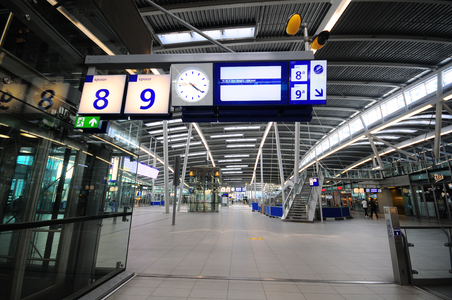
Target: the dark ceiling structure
(375, 50)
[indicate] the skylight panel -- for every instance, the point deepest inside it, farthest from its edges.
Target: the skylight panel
(190, 37)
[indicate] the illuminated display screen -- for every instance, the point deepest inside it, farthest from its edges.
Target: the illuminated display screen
(244, 84)
(143, 169)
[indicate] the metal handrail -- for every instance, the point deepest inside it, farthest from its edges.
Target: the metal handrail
(34, 224)
(292, 194)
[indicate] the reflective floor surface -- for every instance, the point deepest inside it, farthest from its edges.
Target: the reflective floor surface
(240, 254)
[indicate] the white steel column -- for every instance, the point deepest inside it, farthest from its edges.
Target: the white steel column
(153, 164)
(297, 152)
(165, 159)
(372, 145)
(262, 176)
(184, 169)
(281, 173)
(439, 113)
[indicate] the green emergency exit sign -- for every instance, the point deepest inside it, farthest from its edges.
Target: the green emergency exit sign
(87, 122)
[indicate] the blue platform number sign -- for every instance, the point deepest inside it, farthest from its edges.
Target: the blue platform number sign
(148, 94)
(102, 94)
(397, 232)
(314, 181)
(307, 82)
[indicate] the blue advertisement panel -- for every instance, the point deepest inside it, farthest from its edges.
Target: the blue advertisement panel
(249, 84)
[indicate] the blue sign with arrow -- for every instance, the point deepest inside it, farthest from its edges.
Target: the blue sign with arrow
(307, 82)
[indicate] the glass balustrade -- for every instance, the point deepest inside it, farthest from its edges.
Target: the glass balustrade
(430, 253)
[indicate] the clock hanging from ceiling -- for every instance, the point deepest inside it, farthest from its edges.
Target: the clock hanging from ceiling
(192, 84)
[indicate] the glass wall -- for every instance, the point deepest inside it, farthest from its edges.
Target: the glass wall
(60, 233)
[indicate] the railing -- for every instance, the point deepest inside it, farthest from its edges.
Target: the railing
(429, 253)
(48, 254)
(405, 169)
(297, 187)
(409, 168)
(358, 174)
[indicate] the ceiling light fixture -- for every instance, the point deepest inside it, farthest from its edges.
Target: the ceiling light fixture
(229, 160)
(240, 146)
(240, 140)
(242, 127)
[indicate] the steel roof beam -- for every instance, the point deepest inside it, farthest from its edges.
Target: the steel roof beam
(354, 98)
(335, 108)
(388, 84)
(296, 39)
(224, 4)
(389, 38)
(379, 65)
(327, 118)
(145, 61)
(410, 1)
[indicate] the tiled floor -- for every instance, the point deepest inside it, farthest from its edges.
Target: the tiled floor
(211, 256)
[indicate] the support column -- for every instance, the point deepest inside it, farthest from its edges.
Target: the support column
(438, 120)
(165, 159)
(297, 152)
(374, 149)
(184, 169)
(439, 113)
(262, 176)
(281, 172)
(154, 164)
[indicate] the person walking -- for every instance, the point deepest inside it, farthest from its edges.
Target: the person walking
(373, 208)
(364, 204)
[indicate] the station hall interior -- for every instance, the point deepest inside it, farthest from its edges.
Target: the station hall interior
(248, 199)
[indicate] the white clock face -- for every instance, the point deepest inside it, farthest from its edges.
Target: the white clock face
(192, 85)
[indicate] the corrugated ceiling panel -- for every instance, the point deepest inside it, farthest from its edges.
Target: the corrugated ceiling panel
(274, 18)
(392, 18)
(377, 51)
(358, 104)
(379, 74)
(358, 90)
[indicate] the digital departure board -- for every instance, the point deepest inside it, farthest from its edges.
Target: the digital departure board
(255, 83)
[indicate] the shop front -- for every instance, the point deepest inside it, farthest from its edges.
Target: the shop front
(431, 191)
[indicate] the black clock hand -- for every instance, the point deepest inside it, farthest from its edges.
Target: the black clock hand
(195, 87)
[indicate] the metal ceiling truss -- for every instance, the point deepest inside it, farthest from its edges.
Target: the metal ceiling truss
(297, 39)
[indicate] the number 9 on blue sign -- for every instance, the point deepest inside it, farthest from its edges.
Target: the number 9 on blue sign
(151, 98)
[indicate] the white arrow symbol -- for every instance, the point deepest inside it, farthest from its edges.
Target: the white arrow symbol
(93, 122)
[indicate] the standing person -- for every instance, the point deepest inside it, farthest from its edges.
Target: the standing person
(373, 208)
(364, 204)
(112, 204)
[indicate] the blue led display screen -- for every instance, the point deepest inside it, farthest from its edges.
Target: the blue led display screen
(254, 83)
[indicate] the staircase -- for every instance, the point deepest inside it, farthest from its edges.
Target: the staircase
(297, 212)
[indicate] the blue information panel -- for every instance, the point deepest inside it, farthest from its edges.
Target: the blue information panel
(307, 82)
(254, 83)
(314, 181)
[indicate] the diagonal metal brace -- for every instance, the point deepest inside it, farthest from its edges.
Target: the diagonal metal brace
(394, 147)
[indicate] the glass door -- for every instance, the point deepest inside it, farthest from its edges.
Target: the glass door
(430, 201)
(441, 194)
(418, 195)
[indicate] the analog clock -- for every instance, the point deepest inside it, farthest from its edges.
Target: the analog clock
(192, 84)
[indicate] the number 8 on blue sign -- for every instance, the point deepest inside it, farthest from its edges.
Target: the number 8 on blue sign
(151, 99)
(99, 98)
